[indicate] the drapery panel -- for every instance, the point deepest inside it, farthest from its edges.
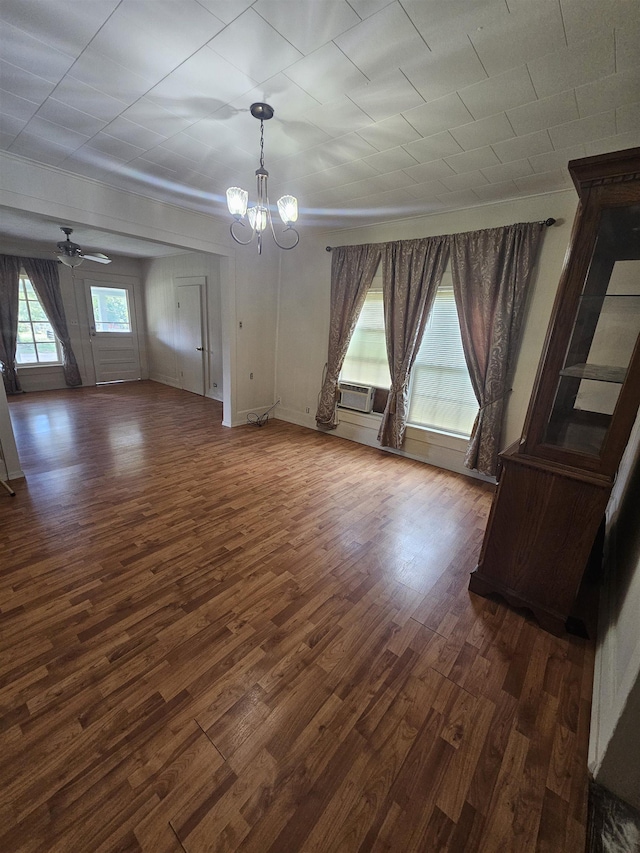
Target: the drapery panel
(43, 275)
(9, 281)
(491, 270)
(412, 272)
(352, 271)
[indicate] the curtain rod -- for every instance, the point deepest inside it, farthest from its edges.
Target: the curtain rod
(548, 222)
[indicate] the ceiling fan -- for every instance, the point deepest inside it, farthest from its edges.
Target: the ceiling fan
(71, 255)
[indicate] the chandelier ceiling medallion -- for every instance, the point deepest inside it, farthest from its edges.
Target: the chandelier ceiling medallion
(259, 215)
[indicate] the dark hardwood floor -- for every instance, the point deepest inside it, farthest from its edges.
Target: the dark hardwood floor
(261, 639)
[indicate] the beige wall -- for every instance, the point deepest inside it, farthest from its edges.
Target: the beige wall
(304, 315)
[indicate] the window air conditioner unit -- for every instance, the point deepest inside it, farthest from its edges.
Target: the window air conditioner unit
(356, 397)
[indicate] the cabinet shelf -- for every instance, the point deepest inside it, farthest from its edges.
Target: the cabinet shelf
(597, 372)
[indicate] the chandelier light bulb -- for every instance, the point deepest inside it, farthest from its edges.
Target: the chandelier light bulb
(288, 209)
(237, 199)
(257, 218)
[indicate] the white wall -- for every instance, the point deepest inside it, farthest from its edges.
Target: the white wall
(159, 275)
(614, 747)
(304, 295)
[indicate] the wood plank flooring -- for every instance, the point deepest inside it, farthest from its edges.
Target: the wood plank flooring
(261, 640)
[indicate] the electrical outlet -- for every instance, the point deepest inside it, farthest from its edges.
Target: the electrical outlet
(307, 410)
(251, 376)
(240, 324)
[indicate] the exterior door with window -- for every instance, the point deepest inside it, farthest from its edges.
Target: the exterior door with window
(114, 334)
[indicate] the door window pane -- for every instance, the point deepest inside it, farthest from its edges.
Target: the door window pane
(110, 309)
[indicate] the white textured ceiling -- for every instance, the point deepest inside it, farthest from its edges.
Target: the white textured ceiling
(382, 109)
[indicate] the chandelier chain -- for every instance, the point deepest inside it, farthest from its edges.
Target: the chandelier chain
(261, 144)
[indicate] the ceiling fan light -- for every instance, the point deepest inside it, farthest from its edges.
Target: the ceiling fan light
(257, 218)
(288, 209)
(237, 199)
(70, 260)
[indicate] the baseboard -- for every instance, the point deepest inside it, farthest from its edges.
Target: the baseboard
(164, 380)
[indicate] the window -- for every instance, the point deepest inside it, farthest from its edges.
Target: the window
(110, 309)
(440, 393)
(37, 344)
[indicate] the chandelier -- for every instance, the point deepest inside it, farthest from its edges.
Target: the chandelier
(259, 215)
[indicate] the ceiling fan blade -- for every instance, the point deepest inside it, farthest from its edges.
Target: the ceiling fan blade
(99, 258)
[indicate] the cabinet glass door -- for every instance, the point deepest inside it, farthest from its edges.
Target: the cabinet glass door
(603, 340)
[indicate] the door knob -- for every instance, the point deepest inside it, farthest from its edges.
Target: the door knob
(199, 349)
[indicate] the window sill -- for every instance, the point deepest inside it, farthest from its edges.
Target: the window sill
(417, 433)
(46, 366)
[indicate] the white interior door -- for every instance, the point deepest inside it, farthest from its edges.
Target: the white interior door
(190, 338)
(114, 333)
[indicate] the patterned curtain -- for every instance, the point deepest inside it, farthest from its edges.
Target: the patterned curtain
(352, 271)
(412, 272)
(46, 282)
(491, 270)
(9, 280)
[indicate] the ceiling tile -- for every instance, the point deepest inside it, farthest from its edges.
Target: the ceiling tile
(10, 127)
(386, 96)
(390, 160)
(573, 66)
(441, 21)
(379, 183)
(546, 182)
(114, 148)
(464, 182)
(152, 116)
(88, 100)
(107, 76)
(523, 146)
(460, 198)
(24, 84)
(66, 116)
(613, 143)
(382, 42)
(321, 22)
(443, 71)
(21, 49)
(346, 173)
(254, 47)
(554, 160)
(432, 171)
(224, 10)
(628, 118)
(338, 117)
(326, 73)
(483, 132)
(68, 33)
(614, 91)
(200, 86)
(285, 138)
(433, 147)
(152, 37)
(389, 133)
(436, 116)
(506, 172)
(583, 130)
(36, 147)
(530, 31)
(289, 101)
(396, 202)
(497, 192)
(504, 91)
(429, 189)
(539, 115)
(56, 133)
(584, 19)
(627, 41)
(469, 161)
(340, 150)
(16, 107)
(366, 8)
(133, 133)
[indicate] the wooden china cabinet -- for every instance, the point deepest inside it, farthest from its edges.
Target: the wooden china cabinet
(556, 481)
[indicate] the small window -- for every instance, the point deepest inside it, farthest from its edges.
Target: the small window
(110, 309)
(440, 393)
(366, 360)
(37, 343)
